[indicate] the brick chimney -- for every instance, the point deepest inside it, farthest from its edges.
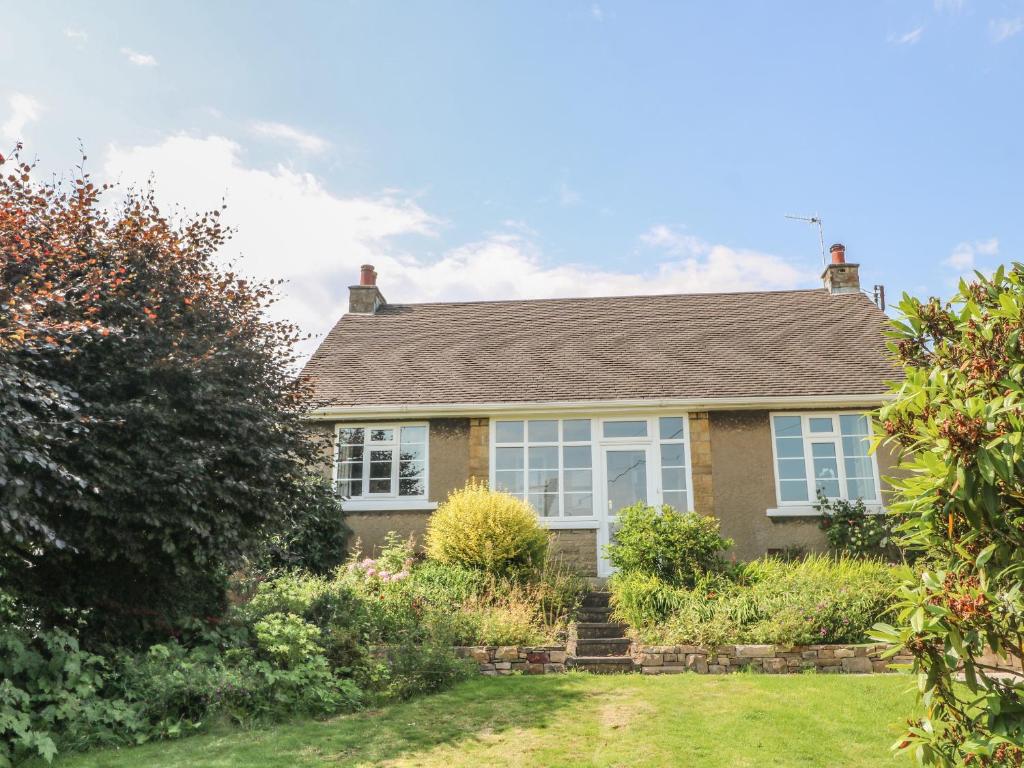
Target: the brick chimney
(365, 298)
(840, 277)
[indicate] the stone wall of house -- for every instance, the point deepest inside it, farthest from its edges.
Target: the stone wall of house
(778, 659)
(506, 659)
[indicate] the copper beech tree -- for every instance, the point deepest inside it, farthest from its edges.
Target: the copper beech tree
(959, 415)
(150, 428)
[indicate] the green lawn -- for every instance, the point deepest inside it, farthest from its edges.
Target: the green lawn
(578, 720)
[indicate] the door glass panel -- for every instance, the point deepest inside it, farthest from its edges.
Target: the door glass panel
(627, 478)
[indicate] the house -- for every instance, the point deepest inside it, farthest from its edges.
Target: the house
(738, 405)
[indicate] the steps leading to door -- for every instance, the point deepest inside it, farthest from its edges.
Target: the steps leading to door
(600, 645)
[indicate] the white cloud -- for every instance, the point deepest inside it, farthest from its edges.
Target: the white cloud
(80, 36)
(908, 38)
(288, 225)
(305, 142)
(24, 110)
(949, 6)
(964, 257)
(139, 59)
(597, 12)
(1004, 29)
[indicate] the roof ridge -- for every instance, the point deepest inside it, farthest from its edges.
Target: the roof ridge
(605, 297)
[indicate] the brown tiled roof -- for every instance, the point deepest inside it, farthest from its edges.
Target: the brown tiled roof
(757, 345)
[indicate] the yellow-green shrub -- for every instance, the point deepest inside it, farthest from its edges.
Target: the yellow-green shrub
(494, 532)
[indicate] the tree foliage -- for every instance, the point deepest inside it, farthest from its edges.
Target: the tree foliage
(150, 427)
(959, 417)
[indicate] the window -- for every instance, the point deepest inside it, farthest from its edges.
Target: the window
(547, 462)
(823, 452)
(672, 436)
(381, 461)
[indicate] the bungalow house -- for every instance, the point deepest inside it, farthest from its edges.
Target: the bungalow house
(739, 405)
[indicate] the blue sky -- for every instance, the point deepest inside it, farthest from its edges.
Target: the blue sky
(500, 150)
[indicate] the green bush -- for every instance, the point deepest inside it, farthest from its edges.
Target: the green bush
(816, 600)
(676, 547)
(852, 531)
(490, 531)
(287, 639)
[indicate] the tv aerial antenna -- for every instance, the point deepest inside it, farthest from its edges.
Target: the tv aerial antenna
(821, 232)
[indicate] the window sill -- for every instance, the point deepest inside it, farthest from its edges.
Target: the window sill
(798, 510)
(562, 523)
(388, 505)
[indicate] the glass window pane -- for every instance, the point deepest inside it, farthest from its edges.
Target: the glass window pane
(820, 424)
(789, 448)
(793, 490)
(380, 486)
(671, 427)
(576, 430)
(543, 481)
(626, 477)
(579, 504)
(543, 431)
(350, 453)
(829, 487)
(508, 458)
(677, 500)
(543, 457)
(576, 456)
(625, 429)
(351, 436)
(546, 504)
(380, 469)
(673, 479)
(787, 426)
(673, 455)
(578, 480)
(382, 435)
(509, 482)
(859, 467)
(413, 452)
(411, 486)
(411, 469)
(350, 470)
(350, 488)
(414, 435)
(792, 469)
(854, 424)
(860, 489)
(508, 431)
(823, 450)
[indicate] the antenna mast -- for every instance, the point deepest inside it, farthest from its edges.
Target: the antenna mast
(821, 232)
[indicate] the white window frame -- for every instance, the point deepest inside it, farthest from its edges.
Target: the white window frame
(806, 508)
(597, 442)
(392, 500)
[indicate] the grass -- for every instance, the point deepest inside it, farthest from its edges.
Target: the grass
(576, 720)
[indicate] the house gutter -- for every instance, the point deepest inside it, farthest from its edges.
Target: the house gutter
(427, 410)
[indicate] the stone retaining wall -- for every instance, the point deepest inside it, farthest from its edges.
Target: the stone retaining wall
(506, 659)
(778, 659)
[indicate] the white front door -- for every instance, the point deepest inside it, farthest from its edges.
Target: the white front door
(627, 478)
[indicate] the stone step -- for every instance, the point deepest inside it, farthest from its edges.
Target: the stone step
(586, 630)
(596, 599)
(603, 646)
(602, 665)
(594, 615)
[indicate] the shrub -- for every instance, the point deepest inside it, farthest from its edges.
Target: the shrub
(493, 532)
(676, 547)
(958, 417)
(817, 600)
(287, 639)
(313, 536)
(852, 531)
(287, 593)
